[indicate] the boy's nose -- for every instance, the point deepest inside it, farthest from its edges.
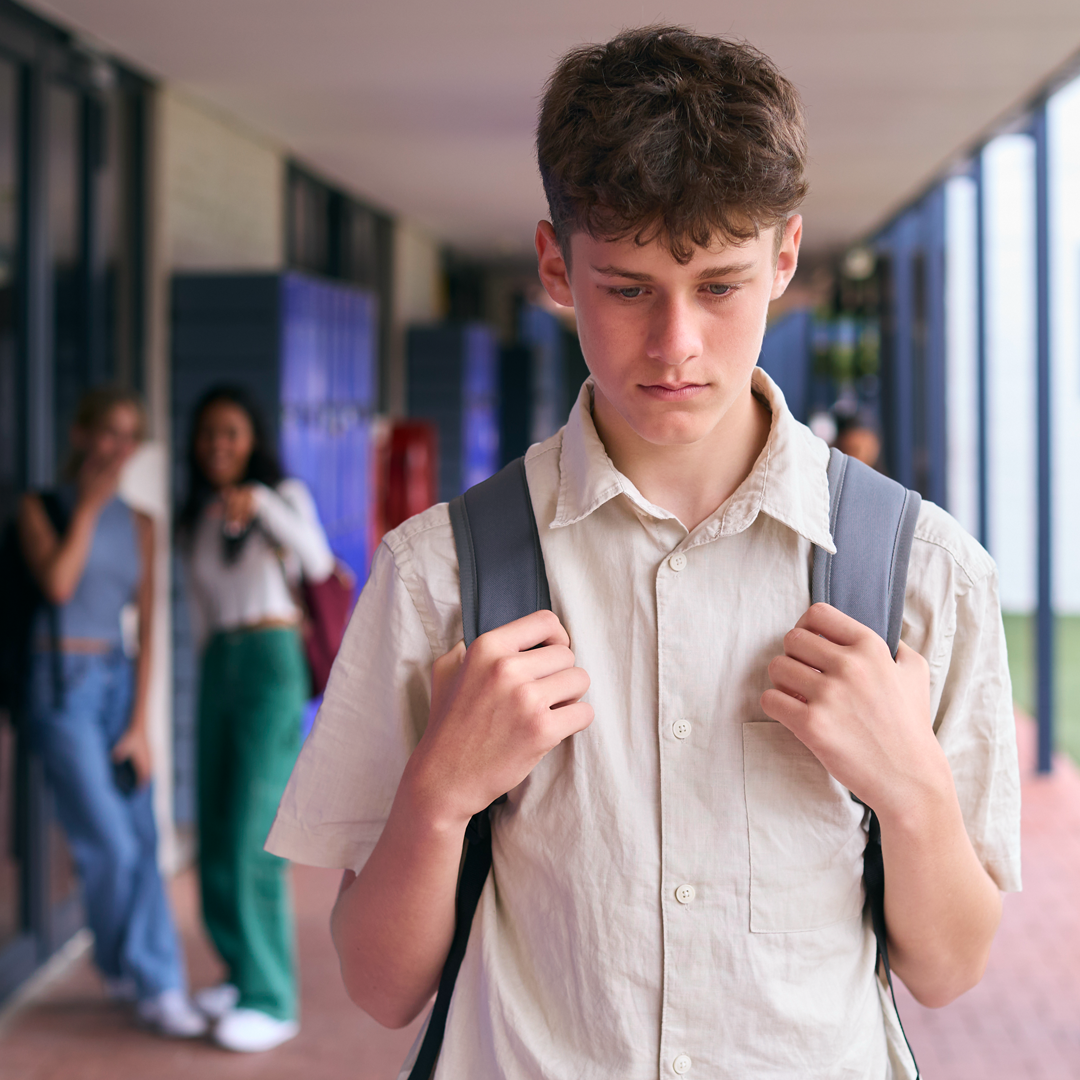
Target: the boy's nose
(674, 336)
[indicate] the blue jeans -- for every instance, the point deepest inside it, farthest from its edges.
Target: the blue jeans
(112, 837)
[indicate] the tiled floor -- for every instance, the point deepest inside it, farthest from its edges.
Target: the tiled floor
(1021, 1023)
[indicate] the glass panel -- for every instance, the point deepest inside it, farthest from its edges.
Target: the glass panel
(10, 441)
(961, 350)
(920, 345)
(309, 222)
(108, 348)
(1009, 207)
(64, 119)
(64, 186)
(1063, 130)
(362, 247)
(10, 428)
(115, 292)
(10, 864)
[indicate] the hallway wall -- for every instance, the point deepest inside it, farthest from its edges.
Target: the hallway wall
(224, 189)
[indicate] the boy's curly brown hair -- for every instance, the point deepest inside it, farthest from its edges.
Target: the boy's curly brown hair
(666, 133)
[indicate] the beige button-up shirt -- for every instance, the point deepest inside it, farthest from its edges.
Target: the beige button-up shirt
(677, 889)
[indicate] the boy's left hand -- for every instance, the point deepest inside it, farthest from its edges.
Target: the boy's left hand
(865, 717)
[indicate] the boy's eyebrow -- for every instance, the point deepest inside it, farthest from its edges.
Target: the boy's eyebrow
(708, 272)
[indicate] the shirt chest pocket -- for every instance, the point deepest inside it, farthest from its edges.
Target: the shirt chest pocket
(806, 836)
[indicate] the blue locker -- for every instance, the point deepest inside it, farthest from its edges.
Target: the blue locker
(306, 349)
(453, 375)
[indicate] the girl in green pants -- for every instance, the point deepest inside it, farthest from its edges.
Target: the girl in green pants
(248, 534)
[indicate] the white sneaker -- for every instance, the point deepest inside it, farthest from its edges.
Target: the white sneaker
(171, 1013)
(248, 1031)
(215, 1001)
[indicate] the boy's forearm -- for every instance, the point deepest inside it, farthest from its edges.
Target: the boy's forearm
(392, 925)
(497, 709)
(941, 907)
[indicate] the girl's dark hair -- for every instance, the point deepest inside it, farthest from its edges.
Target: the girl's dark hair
(263, 466)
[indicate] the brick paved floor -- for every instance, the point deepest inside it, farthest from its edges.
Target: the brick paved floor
(74, 1034)
(1021, 1023)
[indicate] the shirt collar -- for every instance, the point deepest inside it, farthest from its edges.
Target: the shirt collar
(789, 480)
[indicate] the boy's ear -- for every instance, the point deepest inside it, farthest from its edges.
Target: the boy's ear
(787, 258)
(553, 270)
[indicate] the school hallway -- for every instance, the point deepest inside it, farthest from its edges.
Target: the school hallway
(1021, 1023)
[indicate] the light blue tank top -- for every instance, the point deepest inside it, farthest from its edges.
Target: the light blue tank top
(110, 580)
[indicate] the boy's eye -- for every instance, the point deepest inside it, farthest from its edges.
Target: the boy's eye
(719, 290)
(628, 292)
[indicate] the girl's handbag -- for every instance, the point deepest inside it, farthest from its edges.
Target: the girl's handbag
(327, 607)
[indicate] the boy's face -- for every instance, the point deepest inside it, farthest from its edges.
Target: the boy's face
(670, 347)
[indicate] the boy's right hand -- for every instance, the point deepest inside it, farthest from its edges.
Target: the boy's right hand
(496, 710)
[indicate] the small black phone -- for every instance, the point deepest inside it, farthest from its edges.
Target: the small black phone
(124, 776)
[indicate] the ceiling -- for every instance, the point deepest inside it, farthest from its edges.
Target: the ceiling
(427, 108)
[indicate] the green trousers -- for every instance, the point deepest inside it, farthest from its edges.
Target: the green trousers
(251, 701)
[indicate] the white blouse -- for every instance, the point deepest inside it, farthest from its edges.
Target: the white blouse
(288, 541)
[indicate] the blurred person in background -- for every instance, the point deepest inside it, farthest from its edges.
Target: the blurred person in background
(87, 705)
(857, 436)
(248, 535)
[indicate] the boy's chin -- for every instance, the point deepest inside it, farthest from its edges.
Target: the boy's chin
(674, 430)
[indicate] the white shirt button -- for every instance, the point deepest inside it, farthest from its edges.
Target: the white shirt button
(681, 729)
(681, 1064)
(684, 894)
(677, 561)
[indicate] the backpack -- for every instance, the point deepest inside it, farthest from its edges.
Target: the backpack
(872, 520)
(20, 599)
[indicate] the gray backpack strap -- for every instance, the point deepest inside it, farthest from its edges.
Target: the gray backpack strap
(872, 520)
(502, 579)
(502, 567)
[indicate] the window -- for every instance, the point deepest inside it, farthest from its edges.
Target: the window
(334, 235)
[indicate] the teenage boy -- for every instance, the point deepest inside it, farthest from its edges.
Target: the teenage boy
(676, 884)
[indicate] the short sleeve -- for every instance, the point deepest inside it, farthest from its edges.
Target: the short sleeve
(953, 617)
(373, 713)
(289, 517)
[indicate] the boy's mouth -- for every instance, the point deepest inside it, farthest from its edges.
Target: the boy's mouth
(673, 391)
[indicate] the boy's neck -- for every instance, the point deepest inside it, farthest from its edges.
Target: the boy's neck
(692, 480)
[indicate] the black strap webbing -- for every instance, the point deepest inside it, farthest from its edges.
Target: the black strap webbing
(58, 516)
(872, 520)
(494, 528)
